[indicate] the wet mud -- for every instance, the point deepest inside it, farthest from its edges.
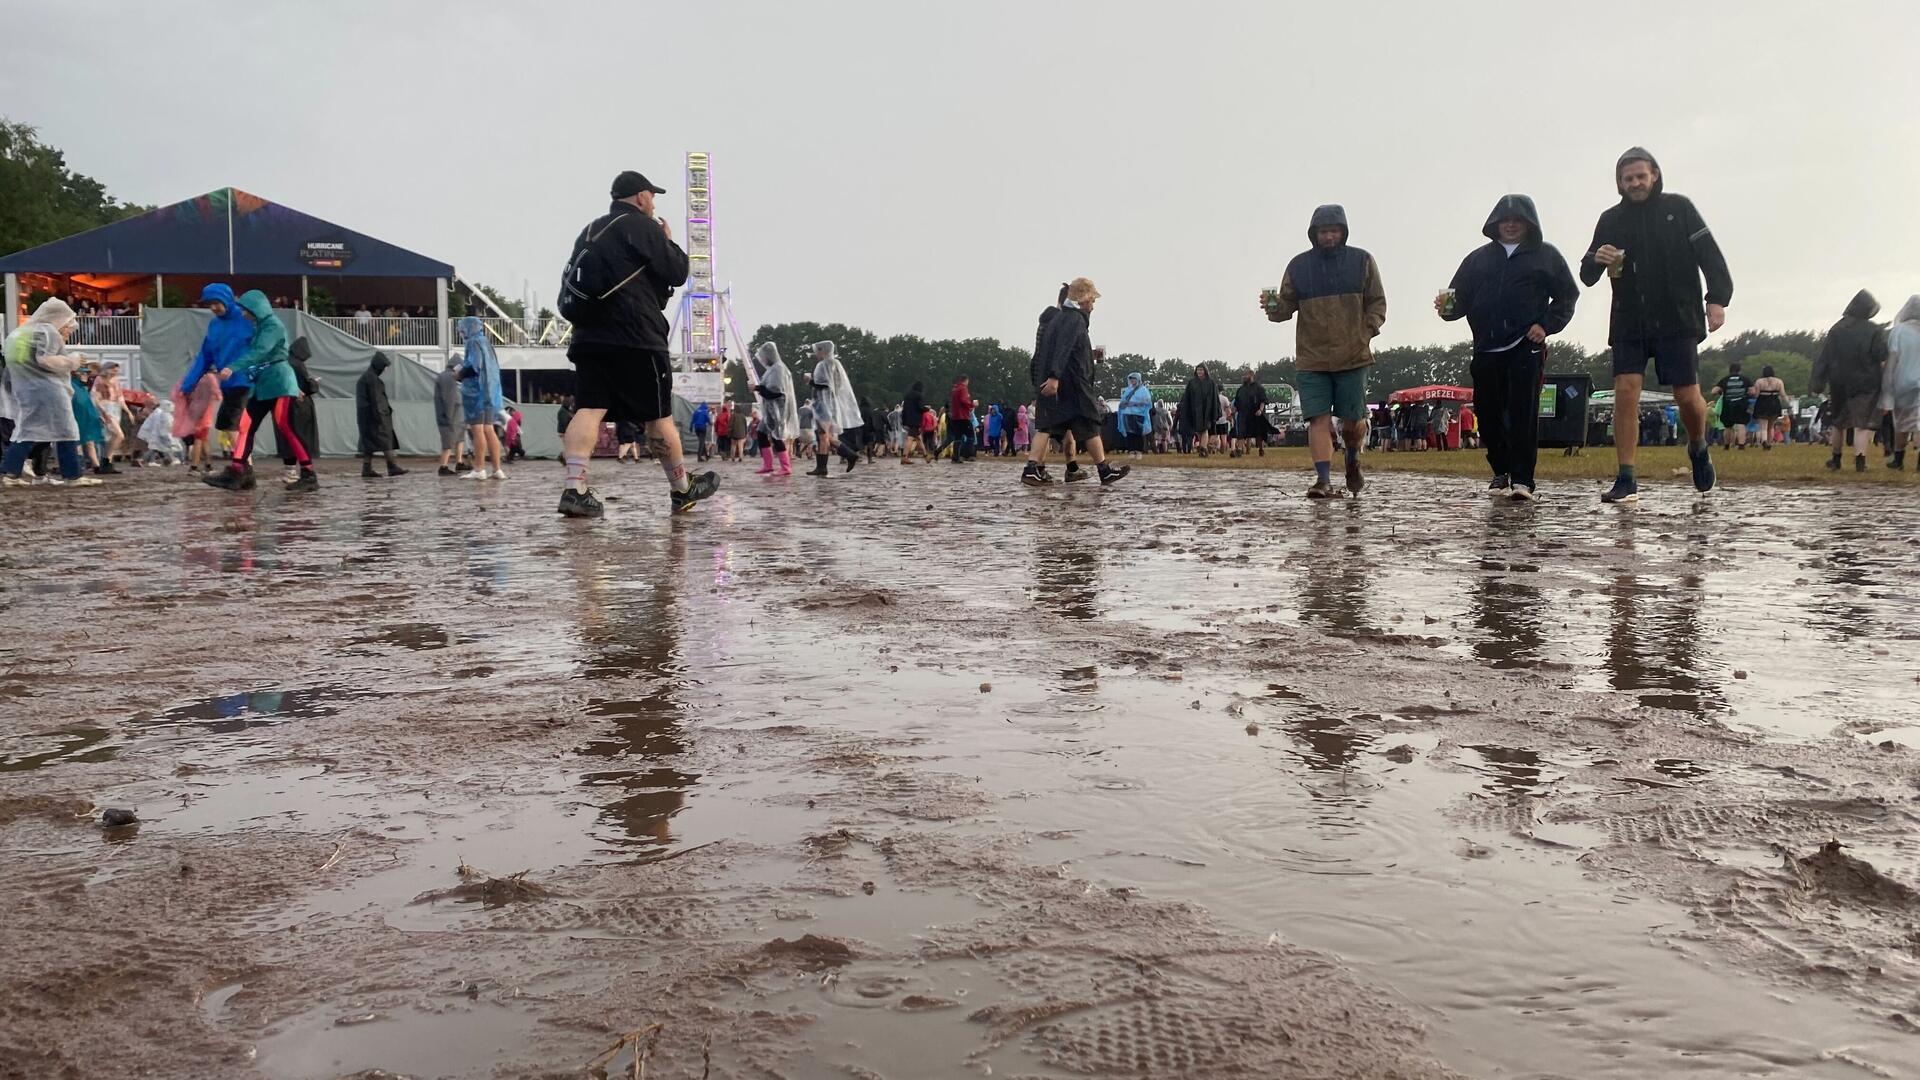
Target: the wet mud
(916, 773)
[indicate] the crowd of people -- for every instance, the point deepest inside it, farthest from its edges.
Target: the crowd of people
(1515, 292)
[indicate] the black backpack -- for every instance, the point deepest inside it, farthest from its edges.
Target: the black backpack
(586, 283)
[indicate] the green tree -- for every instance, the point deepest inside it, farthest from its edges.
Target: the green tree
(41, 200)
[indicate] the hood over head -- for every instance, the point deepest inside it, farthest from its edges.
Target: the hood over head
(1863, 305)
(469, 328)
(257, 304)
(222, 292)
(380, 363)
(300, 350)
(1133, 376)
(53, 312)
(1638, 153)
(1909, 311)
(1520, 206)
(1330, 214)
(824, 350)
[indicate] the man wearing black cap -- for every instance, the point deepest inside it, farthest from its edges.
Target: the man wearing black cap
(1655, 247)
(623, 271)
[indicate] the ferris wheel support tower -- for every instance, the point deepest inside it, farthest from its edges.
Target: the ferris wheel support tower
(705, 317)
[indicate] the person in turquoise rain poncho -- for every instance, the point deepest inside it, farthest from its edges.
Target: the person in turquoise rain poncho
(228, 336)
(480, 398)
(87, 415)
(265, 367)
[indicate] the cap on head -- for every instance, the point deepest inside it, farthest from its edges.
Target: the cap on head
(1081, 289)
(630, 183)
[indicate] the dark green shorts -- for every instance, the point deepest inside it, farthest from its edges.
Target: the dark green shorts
(1341, 393)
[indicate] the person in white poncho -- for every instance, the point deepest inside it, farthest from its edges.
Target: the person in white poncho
(1900, 384)
(36, 391)
(836, 410)
(779, 412)
(157, 432)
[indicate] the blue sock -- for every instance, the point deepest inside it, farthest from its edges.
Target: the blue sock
(1626, 472)
(1324, 470)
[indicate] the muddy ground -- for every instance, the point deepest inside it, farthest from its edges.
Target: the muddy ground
(915, 773)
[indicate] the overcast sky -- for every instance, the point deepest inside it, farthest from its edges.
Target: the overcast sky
(939, 168)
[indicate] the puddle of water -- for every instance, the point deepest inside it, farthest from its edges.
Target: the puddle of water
(77, 745)
(468, 1039)
(417, 636)
(231, 713)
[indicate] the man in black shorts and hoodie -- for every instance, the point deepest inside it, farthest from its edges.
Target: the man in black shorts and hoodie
(1655, 247)
(619, 347)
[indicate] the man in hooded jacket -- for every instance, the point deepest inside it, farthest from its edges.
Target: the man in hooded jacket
(375, 414)
(1249, 416)
(450, 416)
(1515, 292)
(1035, 474)
(1852, 365)
(1200, 407)
(228, 336)
(1655, 247)
(306, 424)
(1068, 354)
(1335, 289)
(273, 390)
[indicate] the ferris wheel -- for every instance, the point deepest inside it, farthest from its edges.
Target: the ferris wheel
(705, 316)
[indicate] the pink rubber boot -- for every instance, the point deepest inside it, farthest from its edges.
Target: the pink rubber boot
(786, 463)
(766, 461)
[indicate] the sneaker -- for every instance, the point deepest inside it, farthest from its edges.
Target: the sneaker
(477, 474)
(579, 504)
(367, 473)
(447, 471)
(1034, 476)
(700, 486)
(289, 474)
(15, 481)
(1624, 491)
(307, 480)
(1075, 473)
(225, 478)
(245, 481)
(1499, 486)
(462, 467)
(1355, 481)
(1110, 475)
(78, 481)
(106, 470)
(500, 473)
(1702, 470)
(1322, 490)
(395, 470)
(1522, 493)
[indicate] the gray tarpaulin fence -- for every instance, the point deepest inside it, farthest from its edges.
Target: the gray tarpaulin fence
(170, 338)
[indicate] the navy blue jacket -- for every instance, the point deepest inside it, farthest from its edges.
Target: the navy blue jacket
(1501, 296)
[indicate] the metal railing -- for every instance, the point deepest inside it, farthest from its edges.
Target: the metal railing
(107, 330)
(385, 333)
(523, 333)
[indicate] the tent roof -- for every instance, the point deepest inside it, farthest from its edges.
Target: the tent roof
(225, 232)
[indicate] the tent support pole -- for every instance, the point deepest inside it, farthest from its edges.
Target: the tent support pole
(13, 303)
(440, 319)
(518, 394)
(303, 293)
(159, 291)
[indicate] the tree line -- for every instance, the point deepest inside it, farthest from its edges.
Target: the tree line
(883, 369)
(41, 200)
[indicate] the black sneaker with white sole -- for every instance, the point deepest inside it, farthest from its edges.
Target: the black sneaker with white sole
(1075, 473)
(1624, 491)
(579, 504)
(1499, 486)
(1111, 475)
(699, 486)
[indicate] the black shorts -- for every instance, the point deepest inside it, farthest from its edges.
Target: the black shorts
(1082, 430)
(1734, 413)
(633, 385)
(232, 404)
(1676, 359)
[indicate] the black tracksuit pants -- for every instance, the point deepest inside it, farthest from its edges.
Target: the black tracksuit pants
(1506, 398)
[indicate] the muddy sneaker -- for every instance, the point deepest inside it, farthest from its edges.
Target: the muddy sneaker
(1702, 469)
(699, 487)
(579, 504)
(1075, 473)
(1624, 491)
(1110, 475)
(1032, 476)
(79, 481)
(1322, 490)
(1355, 481)
(308, 480)
(1522, 493)
(15, 481)
(1498, 487)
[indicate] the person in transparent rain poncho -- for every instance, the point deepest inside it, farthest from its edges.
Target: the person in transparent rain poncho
(156, 431)
(779, 412)
(836, 411)
(1900, 384)
(36, 392)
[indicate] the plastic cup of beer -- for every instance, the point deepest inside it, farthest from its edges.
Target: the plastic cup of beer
(1619, 264)
(1451, 304)
(1269, 297)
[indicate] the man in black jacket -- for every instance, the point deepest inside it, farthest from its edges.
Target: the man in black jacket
(1655, 247)
(1066, 349)
(1515, 292)
(619, 347)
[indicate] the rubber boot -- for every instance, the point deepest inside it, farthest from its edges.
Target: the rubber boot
(786, 463)
(766, 460)
(819, 465)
